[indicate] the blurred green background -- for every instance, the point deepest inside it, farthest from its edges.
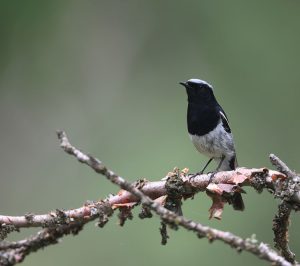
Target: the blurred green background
(107, 72)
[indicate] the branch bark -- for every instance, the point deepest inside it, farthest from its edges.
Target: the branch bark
(152, 196)
(281, 221)
(258, 178)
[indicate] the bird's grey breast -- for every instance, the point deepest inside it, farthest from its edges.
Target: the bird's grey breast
(215, 144)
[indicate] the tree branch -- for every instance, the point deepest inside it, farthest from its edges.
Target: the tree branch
(258, 178)
(281, 166)
(152, 196)
(261, 250)
(288, 191)
(280, 228)
(15, 252)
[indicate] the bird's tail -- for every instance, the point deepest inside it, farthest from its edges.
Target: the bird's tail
(228, 163)
(235, 162)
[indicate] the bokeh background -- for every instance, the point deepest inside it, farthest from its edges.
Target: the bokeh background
(107, 72)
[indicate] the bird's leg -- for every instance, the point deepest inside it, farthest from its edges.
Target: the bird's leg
(217, 170)
(209, 161)
(201, 172)
(220, 163)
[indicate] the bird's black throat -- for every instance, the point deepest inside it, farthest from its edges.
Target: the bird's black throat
(202, 118)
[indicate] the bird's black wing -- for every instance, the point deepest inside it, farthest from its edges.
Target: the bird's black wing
(224, 119)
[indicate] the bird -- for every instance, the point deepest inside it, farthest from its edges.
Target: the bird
(209, 130)
(208, 125)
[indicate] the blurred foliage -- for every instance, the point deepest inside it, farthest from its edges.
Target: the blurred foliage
(107, 72)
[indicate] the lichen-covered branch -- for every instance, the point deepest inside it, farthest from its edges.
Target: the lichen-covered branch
(280, 228)
(281, 166)
(59, 225)
(160, 197)
(288, 191)
(192, 184)
(15, 252)
(261, 250)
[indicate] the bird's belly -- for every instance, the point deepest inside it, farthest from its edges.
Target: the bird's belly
(215, 144)
(206, 146)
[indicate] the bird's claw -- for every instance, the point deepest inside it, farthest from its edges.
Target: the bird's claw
(212, 175)
(194, 175)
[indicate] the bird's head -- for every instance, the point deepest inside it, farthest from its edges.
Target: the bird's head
(198, 90)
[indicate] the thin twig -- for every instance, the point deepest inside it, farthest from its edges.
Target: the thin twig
(281, 166)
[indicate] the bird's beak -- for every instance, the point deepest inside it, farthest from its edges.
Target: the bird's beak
(183, 84)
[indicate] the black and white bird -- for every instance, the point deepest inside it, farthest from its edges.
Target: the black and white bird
(209, 131)
(208, 125)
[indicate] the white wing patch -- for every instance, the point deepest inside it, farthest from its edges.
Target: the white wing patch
(224, 117)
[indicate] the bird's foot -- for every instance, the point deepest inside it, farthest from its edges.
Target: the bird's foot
(198, 173)
(212, 175)
(194, 175)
